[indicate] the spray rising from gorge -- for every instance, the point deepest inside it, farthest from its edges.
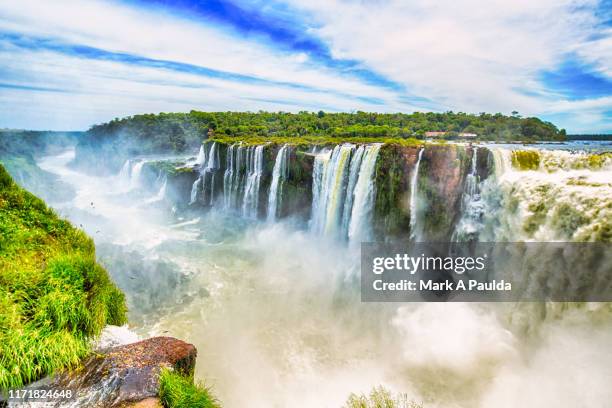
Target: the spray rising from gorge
(247, 251)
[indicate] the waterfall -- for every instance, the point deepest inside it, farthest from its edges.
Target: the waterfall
(563, 199)
(161, 193)
(250, 203)
(414, 183)
(201, 159)
(208, 174)
(228, 177)
(125, 173)
(279, 174)
(472, 206)
(329, 189)
(135, 173)
(194, 190)
(354, 171)
(361, 214)
(318, 173)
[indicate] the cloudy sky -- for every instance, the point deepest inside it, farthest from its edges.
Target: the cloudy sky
(69, 64)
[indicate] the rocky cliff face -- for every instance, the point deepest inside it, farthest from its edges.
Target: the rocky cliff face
(439, 186)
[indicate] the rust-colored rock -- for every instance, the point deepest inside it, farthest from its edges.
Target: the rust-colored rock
(127, 374)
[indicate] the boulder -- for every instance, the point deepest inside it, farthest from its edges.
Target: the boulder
(124, 375)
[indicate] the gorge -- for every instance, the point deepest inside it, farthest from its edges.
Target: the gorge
(247, 251)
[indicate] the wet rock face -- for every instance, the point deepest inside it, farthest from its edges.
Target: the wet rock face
(127, 374)
(443, 174)
(394, 169)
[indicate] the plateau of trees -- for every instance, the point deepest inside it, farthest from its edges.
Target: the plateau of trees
(178, 131)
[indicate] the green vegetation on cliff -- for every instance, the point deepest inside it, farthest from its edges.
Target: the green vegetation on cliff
(177, 132)
(54, 297)
(178, 391)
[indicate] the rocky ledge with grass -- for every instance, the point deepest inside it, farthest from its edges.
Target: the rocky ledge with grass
(55, 300)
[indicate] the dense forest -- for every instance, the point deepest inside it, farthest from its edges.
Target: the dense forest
(106, 146)
(176, 131)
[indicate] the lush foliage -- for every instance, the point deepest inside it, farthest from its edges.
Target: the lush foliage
(177, 131)
(178, 391)
(53, 295)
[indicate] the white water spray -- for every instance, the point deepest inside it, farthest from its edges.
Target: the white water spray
(361, 214)
(279, 174)
(250, 204)
(414, 196)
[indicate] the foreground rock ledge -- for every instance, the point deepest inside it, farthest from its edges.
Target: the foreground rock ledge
(123, 375)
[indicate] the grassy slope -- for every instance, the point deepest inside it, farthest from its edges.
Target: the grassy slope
(53, 294)
(177, 391)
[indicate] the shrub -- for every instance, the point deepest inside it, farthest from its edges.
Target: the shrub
(178, 391)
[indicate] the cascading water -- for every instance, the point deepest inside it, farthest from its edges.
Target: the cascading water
(228, 177)
(125, 173)
(161, 193)
(361, 214)
(279, 174)
(204, 186)
(472, 206)
(563, 196)
(201, 159)
(135, 173)
(195, 187)
(250, 203)
(329, 189)
(414, 197)
(274, 308)
(209, 173)
(354, 171)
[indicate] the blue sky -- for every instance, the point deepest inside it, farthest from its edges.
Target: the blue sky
(69, 64)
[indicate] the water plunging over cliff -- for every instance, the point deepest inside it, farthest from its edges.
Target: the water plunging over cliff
(329, 189)
(364, 190)
(343, 191)
(274, 316)
(554, 195)
(279, 174)
(201, 159)
(130, 173)
(414, 197)
(472, 206)
(254, 171)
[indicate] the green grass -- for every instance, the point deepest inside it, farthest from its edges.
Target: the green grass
(178, 391)
(380, 398)
(53, 295)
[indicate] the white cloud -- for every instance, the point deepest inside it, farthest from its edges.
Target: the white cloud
(469, 55)
(97, 91)
(463, 55)
(158, 35)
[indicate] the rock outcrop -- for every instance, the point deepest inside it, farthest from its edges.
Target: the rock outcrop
(126, 375)
(440, 185)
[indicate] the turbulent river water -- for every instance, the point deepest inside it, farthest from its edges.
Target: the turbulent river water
(275, 310)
